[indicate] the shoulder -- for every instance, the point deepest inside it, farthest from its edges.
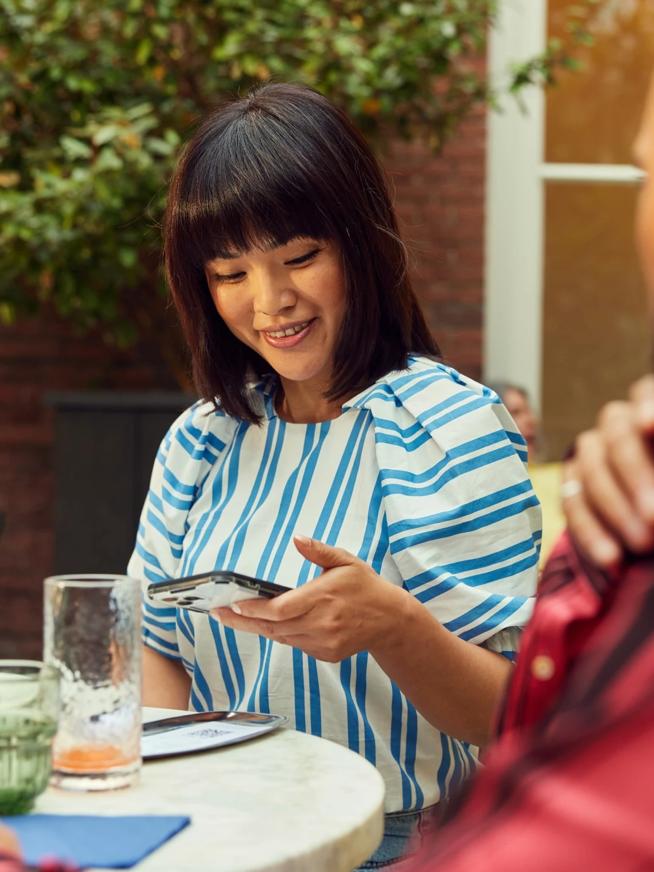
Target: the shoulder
(421, 373)
(436, 398)
(198, 436)
(195, 441)
(423, 384)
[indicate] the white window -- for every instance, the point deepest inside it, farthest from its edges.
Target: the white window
(565, 306)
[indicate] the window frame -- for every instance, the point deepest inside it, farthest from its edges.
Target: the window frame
(516, 176)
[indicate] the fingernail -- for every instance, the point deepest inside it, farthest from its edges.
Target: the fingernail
(304, 540)
(236, 608)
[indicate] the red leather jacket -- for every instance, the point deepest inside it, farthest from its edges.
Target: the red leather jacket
(568, 783)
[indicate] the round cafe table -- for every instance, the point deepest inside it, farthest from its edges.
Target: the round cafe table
(283, 802)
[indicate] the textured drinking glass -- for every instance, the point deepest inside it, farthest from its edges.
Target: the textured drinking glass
(92, 636)
(29, 696)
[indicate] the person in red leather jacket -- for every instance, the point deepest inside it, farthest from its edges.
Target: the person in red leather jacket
(568, 781)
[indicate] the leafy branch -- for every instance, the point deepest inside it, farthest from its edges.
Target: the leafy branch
(96, 98)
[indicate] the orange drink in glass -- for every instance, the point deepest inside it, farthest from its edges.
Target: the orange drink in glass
(92, 636)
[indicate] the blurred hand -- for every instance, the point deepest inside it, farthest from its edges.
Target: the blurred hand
(613, 506)
(8, 842)
(348, 609)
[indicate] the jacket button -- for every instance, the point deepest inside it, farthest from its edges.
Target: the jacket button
(542, 667)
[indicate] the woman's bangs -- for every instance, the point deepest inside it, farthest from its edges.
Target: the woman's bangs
(259, 200)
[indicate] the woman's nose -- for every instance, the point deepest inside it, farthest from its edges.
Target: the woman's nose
(273, 293)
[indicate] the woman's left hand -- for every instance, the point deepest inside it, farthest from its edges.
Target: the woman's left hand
(347, 609)
(9, 843)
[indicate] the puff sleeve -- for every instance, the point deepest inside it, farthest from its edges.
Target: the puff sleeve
(463, 520)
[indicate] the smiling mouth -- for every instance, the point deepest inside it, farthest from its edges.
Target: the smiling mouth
(288, 331)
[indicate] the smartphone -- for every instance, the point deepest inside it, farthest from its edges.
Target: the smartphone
(211, 590)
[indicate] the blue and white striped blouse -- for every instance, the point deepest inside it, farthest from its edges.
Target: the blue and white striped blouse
(423, 476)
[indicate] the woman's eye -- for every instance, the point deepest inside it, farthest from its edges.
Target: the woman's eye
(304, 258)
(229, 277)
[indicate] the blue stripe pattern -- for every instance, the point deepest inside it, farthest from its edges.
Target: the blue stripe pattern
(422, 476)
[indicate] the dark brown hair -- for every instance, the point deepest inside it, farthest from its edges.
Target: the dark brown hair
(280, 163)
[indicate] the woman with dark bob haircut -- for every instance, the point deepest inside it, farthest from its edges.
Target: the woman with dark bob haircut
(334, 453)
(287, 165)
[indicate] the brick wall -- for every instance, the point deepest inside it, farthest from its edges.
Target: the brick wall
(440, 204)
(37, 357)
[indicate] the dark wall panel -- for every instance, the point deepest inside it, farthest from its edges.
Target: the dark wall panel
(104, 451)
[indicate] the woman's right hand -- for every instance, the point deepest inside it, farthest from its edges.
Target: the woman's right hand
(608, 489)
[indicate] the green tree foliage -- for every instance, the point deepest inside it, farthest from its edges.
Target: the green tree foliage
(95, 98)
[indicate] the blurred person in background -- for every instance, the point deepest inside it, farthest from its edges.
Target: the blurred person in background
(568, 782)
(545, 476)
(518, 405)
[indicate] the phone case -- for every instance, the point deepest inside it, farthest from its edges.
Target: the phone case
(212, 591)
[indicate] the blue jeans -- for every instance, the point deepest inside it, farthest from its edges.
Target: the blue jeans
(402, 830)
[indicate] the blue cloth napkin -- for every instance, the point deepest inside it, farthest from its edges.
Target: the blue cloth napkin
(89, 840)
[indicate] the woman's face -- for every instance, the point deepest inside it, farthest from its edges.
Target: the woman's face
(286, 303)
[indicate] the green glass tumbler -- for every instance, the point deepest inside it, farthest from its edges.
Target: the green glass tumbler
(29, 705)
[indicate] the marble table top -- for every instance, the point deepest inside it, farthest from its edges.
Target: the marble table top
(283, 802)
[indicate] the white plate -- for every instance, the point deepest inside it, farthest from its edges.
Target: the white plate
(200, 731)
